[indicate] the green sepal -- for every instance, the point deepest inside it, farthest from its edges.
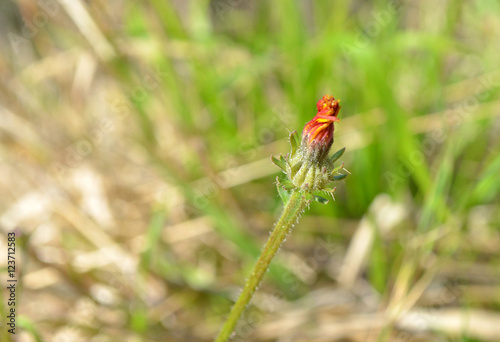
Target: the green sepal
(334, 157)
(339, 177)
(281, 163)
(294, 142)
(321, 200)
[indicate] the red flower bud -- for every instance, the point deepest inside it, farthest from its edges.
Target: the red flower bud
(307, 166)
(317, 134)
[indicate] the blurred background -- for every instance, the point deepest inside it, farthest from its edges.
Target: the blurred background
(135, 170)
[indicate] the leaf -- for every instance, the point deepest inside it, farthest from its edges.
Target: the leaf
(339, 177)
(281, 163)
(334, 157)
(321, 200)
(294, 142)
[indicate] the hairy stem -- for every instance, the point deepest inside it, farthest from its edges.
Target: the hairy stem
(290, 215)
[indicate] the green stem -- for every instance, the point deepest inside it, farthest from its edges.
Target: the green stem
(295, 206)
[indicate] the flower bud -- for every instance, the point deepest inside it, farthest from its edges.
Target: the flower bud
(308, 167)
(317, 135)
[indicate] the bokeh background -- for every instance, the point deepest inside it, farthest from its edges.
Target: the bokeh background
(135, 171)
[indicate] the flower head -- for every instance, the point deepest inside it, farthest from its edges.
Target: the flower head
(308, 167)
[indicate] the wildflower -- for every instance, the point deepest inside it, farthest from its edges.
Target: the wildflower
(308, 167)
